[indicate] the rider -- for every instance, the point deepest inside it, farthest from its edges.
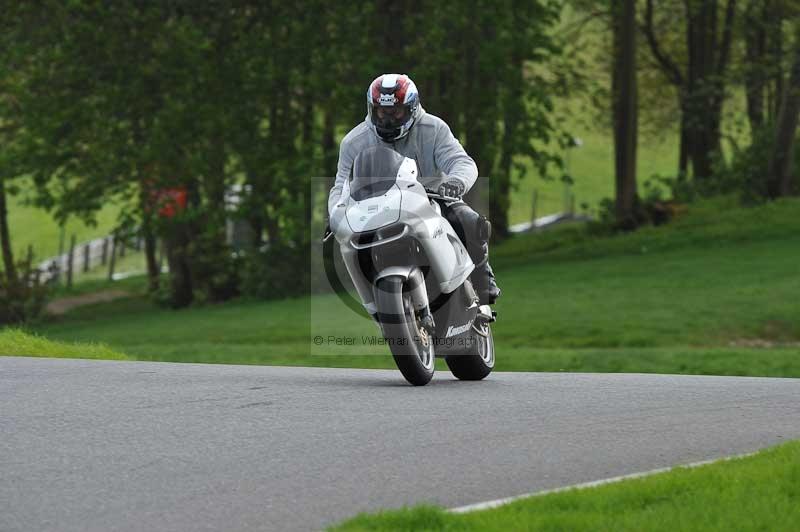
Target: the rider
(396, 119)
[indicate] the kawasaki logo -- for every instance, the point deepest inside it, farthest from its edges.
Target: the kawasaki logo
(452, 331)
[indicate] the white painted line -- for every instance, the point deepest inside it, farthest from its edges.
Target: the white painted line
(593, 484)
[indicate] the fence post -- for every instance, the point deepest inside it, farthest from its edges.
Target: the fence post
(55, 271)
(70, 260)
(86, 257)
(112, 260)
(61, 231)
(162, 251)
(29, 265)
(104, 253)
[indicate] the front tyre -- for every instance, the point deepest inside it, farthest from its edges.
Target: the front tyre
(409, 342)
(480, 361)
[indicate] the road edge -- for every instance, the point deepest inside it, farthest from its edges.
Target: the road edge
(488, 505)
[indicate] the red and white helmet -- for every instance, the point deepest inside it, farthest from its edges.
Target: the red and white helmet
(392, 103)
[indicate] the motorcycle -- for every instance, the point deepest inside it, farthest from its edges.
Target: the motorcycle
(411, 270)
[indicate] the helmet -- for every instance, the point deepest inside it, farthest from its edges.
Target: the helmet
(392, 103)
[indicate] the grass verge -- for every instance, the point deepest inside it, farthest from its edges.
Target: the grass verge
(760, 492)
(14, 342)
(712, 293)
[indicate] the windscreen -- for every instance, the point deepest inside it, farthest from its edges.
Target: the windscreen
(374, 172)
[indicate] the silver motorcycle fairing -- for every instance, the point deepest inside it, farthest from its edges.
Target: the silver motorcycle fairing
(408, 205)
(373, 213)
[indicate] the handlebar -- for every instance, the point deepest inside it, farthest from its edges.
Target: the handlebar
(435, 195)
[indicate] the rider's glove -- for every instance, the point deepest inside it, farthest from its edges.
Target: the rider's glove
(452, 188)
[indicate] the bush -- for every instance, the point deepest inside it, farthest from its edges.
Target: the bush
(21, 299)
(275, 272)
(747, 173)
(649, 209)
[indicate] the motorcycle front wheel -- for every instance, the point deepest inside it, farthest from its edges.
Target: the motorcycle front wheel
(410, 344)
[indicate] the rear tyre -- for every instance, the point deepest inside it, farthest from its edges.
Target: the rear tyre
(409, 342)
(480, 362)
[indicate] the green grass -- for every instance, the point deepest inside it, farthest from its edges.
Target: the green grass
(33, 226)
(592, 168)
(760, 492)
(707, 225)
(14, 342)
(712, 293)
(87, 284)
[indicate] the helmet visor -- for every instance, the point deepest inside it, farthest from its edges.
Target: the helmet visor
(390, 117)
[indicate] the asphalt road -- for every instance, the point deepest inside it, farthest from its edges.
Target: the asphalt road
(104, 446)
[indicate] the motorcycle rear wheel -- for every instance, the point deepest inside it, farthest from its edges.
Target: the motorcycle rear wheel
(477, 365)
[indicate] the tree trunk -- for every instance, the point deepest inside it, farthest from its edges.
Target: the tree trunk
(774, 22)
(780, 166)
(481, 113)
(708, 59)
(755, 50)
(699, 27)
(701, 86)
(683, 153)
(330, 154)
(5, 238)
(153, 271)
(181, 292)
(625, 110)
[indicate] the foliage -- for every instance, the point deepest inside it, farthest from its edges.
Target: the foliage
(119, 102)
(275, 272)
(123, 100)
(22, 298)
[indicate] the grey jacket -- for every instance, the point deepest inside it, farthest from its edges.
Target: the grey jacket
(438, 153)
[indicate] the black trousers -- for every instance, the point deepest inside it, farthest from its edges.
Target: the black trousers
(472, 228)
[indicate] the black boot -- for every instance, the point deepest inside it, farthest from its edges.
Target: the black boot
(483, 281)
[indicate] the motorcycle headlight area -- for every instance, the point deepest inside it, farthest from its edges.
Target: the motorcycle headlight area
(383, 235)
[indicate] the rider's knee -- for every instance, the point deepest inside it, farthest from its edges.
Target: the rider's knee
(476, 227)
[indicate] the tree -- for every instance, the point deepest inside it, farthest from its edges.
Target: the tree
(8, 127)
(763, 60)
(21, 295)
(624, 97)
(124, 100)
(701, 83)
(782, 157)
(14, 52)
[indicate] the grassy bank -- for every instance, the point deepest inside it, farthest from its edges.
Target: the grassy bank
(755, 493)
(36, 227)
(712, 293)
(19, 343)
